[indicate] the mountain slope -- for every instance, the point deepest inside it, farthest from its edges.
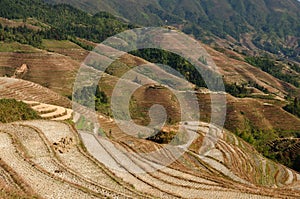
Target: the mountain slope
(272, 25)
(54, 62)
(50, 159)
(63, 22)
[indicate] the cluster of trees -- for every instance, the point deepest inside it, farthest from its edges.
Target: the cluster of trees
(261, 88)
(286, 152)
(188, 70)
(183, 66)
(295, 67)
(20, 34)
(293, 107)
(59, 22)
(89, 97)
(161, 137)
(260, 139)
(272, 25)
(201, 19)
(296, 163)
(25, 35)
(274, 47)
(265, 142)
(274, 69)
(242, 90)
(12, 110)
(237, 90)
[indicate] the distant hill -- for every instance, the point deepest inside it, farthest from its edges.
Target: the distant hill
(272, 25)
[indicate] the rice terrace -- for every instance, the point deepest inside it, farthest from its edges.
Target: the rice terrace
(150, 99)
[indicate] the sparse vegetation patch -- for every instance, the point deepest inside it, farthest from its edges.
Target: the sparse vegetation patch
(12, 110)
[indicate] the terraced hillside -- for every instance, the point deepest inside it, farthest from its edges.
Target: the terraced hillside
(24, 90)
(287, 149)
(236, 70)
(85, 153)
(247, 25)
(60, 69)
(51, 112)
(63, 58)
(64, 163)
(51, 162)
(51, 154)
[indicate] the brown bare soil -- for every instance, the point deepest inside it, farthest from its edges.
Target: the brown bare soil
(147, 96)
(262, 115)
(236, 71)
(52, 159)
(25, 90)
(49, 153)
(50, 70)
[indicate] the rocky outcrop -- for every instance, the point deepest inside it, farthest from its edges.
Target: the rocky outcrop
(21, 71)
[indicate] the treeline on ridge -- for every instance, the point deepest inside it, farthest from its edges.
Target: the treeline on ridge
(59, 22)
